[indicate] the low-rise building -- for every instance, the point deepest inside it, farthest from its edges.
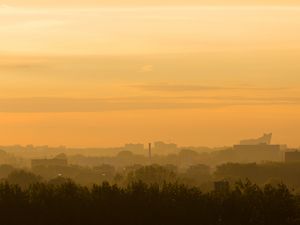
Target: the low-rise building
(57, 161)
(257, 153)
(163, 148)
(292, 156)
(136, 148)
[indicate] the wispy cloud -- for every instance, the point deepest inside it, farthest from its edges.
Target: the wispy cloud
(146, 69)
(178, 87)
(135, 103)
(166, 87)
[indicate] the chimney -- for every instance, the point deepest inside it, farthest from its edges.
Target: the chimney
(150, 151)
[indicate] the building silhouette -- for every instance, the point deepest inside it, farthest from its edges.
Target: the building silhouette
(59, 160)
(265, 139)
(163, 148)
(292, 156)
(137, 148)
(256, 153)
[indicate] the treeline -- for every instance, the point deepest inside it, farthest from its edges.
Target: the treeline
(264, 173)
(198, 175)
(142, 204)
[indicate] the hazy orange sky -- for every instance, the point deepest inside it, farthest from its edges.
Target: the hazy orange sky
(106, 73)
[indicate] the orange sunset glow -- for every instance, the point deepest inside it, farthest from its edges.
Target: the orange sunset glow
(105, 73)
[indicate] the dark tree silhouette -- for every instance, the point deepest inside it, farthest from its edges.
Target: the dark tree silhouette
(140, 203)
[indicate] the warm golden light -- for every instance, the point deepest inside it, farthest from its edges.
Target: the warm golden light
(107, 74)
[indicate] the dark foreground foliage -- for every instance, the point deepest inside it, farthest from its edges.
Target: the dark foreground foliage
(141, 204)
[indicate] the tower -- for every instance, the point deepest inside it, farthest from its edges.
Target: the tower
(150, 151)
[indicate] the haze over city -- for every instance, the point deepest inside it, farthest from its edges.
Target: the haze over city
(105, 73)
(143, 112)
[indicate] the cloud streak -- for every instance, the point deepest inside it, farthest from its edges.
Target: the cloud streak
(165, 87)
(40, 105)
